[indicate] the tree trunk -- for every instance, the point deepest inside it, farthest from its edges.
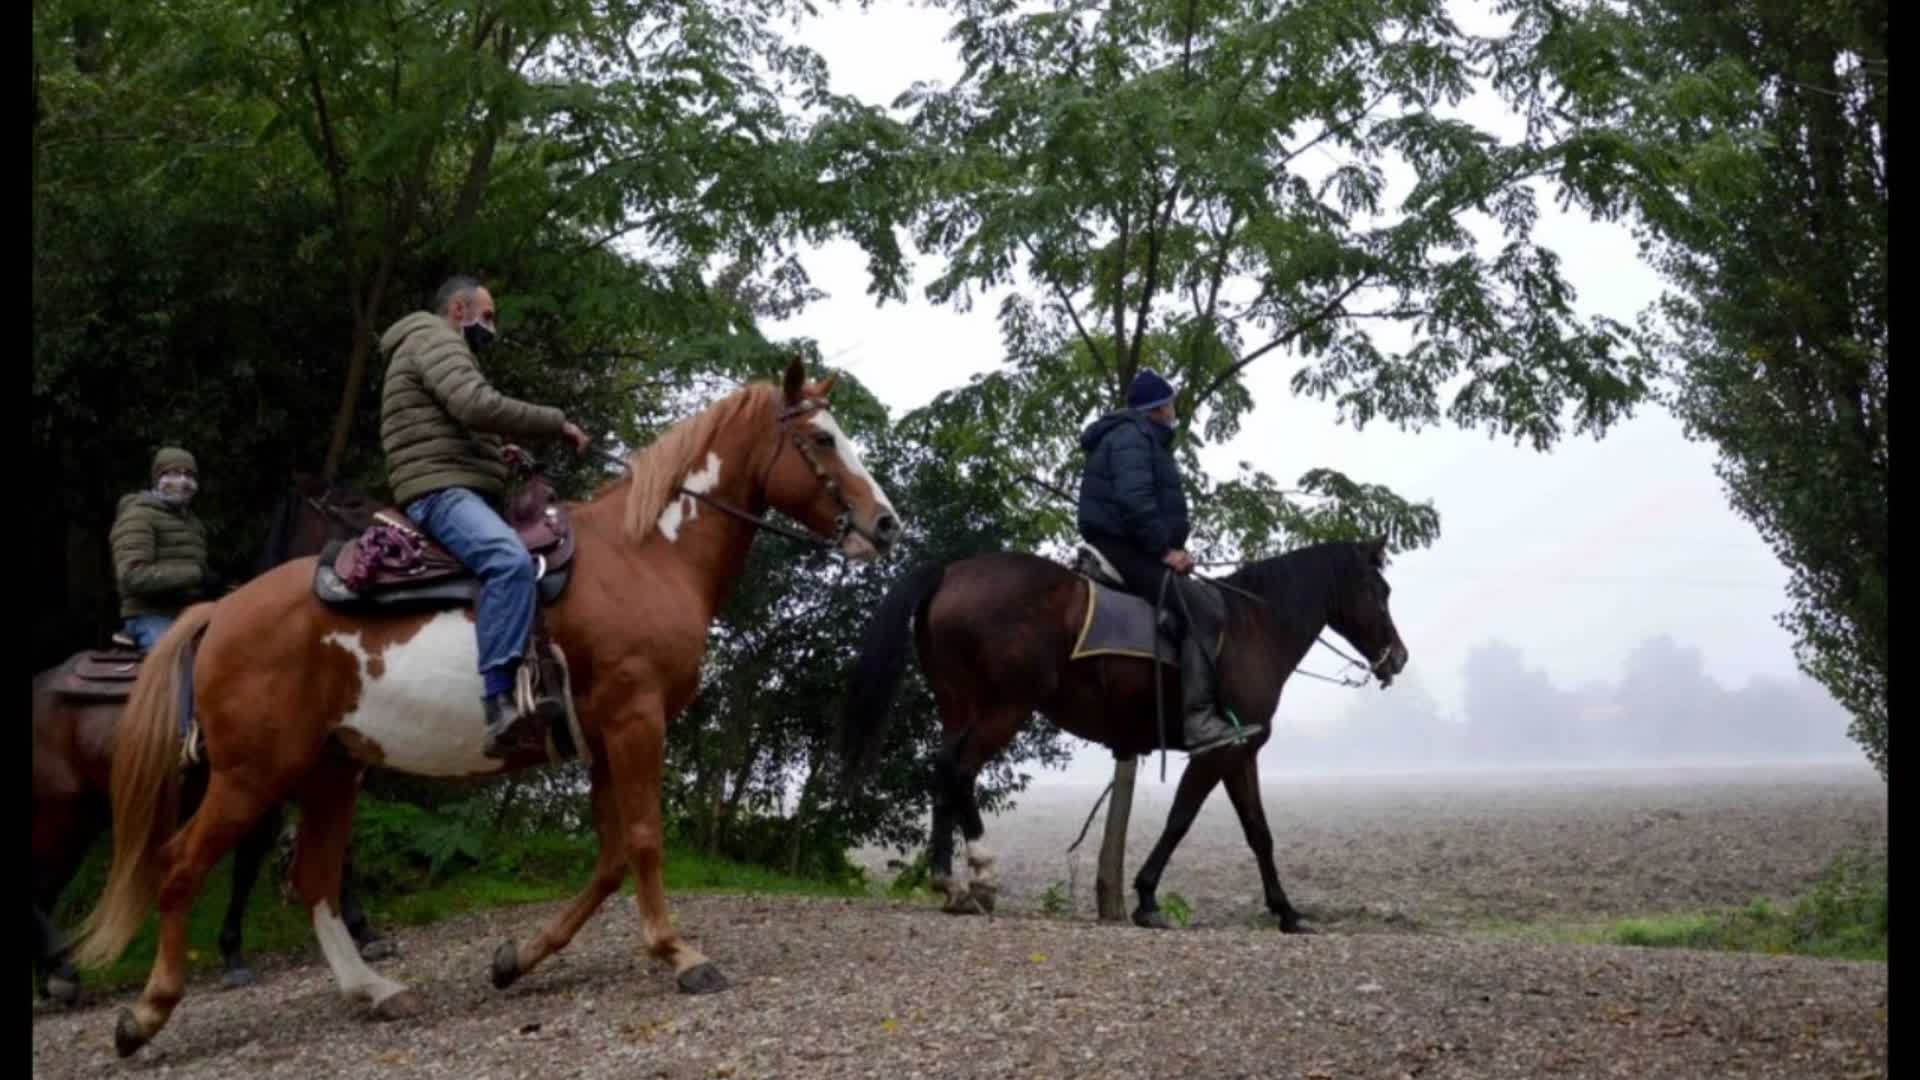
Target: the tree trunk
(349, 394)
(1110, 884)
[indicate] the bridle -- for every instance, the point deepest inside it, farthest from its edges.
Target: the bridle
(784, 434)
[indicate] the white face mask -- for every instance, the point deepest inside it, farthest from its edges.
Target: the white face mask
(176, 488)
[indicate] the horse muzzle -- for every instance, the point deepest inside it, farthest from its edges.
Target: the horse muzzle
(1392, 661)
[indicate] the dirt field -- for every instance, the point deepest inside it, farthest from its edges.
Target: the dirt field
(1403, 871)
(1459, 850)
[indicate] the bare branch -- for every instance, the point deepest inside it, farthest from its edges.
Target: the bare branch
(1327, 311)
(1066, 301)
(1337, 129)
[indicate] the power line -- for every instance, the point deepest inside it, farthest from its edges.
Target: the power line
(1531, 580)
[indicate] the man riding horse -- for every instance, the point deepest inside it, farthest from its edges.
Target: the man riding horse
(160, 549)
(1133, 509)
(440, 423)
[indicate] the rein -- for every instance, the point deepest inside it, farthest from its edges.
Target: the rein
(845, 520)
(1337, 680)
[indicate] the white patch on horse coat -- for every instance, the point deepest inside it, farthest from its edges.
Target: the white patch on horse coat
(350, 972)
(424, 710)
(823, 420)
(685, 508)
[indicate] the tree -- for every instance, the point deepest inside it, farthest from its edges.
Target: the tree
(751, 756)
(1515, 715)
(1145, 165)
(1748, 143)
(230, 200)
(450, 133)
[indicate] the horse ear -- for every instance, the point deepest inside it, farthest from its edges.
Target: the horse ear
(826, 386)
(796, 379)
(1377, 552)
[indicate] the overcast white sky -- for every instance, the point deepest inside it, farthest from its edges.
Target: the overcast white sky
(1574, 556)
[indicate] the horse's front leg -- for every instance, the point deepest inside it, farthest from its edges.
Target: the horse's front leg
(636, 752)
(1243, 787)
(1196, 783)
(511, 961)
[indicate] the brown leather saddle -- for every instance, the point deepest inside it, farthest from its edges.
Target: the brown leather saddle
(100, 674)
(395, 566)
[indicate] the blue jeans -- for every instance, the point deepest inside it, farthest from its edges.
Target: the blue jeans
(465, 525)
(146, 629)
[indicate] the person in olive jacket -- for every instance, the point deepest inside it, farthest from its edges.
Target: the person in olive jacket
(1133, 508)
(160, 549)
(440, 423)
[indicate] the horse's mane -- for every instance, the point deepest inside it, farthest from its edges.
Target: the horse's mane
(659, 467)
(1296, 579)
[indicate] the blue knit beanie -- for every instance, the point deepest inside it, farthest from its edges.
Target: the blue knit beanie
(1149, 390)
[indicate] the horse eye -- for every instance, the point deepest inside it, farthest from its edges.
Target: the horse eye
(823, 439)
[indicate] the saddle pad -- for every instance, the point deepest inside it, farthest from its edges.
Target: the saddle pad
(1121, 624)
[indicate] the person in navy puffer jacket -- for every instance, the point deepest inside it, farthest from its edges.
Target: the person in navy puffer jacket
(1133, 508)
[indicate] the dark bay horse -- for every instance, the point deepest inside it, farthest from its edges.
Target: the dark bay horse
(298, 698)
(996, 634)
(73, 754)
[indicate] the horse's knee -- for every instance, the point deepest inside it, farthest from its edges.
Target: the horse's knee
(644, 844)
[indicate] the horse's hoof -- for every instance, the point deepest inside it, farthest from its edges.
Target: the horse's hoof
(1296, 925)
(127, 1036)
(963, 904)
(62, 990)
(986, 897)
(702, 979)
(238, 977)
(506, 965)
(379, 949)
(1151, 920)
(400, 1006)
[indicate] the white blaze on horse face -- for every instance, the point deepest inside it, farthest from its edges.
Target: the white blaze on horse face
(823, 420)
(685, 507)
(422, 711)
(350, 972)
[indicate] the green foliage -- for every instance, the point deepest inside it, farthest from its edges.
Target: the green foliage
(398, 889)
(914, 878)
(231, 200)
(1843, 916)
(1748, 143)
(399, 845)
(752, 775)
(1156, 174)
(1054, 900)
(1177, 909)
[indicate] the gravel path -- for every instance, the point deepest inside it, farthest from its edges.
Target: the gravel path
(862, 989)
(835, 988)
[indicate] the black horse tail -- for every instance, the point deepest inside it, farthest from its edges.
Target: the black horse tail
(883, 660)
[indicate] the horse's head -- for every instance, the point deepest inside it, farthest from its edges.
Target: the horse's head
(817, 478)
(1359, 611)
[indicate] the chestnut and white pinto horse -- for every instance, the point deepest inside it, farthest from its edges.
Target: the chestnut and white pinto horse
(296, 699)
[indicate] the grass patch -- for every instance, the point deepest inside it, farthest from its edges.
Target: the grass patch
(522, 870)
(1842, 917)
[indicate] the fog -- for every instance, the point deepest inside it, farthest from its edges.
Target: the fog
(1663, 708)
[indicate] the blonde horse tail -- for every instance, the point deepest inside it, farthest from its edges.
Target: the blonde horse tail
(146, 792)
